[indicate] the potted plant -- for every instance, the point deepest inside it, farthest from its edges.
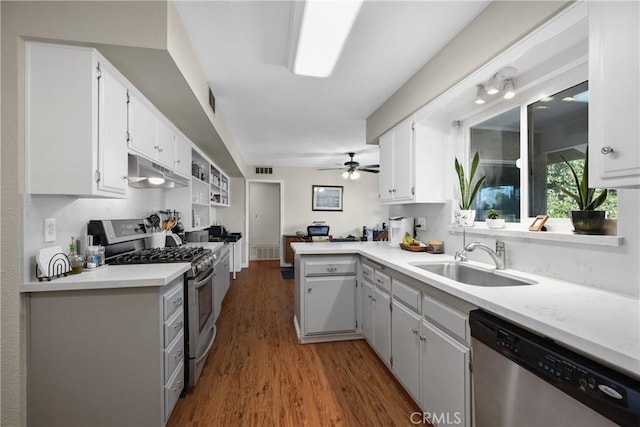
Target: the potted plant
(586, 220)
(466, 216)
(493, 220)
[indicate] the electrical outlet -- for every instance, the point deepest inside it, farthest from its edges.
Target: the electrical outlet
(49, 230)
(421, 223)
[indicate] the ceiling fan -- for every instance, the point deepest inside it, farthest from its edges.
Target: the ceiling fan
(352, 168)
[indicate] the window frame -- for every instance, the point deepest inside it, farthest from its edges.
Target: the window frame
(561, 79)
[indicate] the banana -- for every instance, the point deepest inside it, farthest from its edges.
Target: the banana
(409, 240)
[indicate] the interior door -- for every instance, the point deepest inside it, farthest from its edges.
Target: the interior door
(264, 221)
(112, 132)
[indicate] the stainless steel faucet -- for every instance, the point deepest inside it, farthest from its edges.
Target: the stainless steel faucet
(499, 256)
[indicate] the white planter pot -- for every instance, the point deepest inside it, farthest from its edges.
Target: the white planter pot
(465, 218)
(495, 223)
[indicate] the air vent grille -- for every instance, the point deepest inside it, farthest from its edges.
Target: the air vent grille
(263, 170)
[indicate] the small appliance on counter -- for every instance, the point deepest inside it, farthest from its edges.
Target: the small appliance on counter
(398, 226)
(318, 231)
(217, 233)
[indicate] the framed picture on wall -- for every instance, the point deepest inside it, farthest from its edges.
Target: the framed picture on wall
(326, 198)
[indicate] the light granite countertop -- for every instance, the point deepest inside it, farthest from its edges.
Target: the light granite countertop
(602, 325)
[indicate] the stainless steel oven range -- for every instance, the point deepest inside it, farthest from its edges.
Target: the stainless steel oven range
(124, 245)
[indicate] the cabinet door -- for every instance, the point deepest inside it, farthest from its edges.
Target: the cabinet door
(405, 344)
(142, 127)
(385, 177)
(382, 325)
(183, 156)
(445, 375)
(330, 304)
(403, 161)
(614, 68)
(112, 128)
(165, 144)
(366, 296)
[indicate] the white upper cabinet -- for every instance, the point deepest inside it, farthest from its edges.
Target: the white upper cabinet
(165, 144)
(614, 94)
(182, 155)
(75, 122)
(112, 130)
(411, 164)
(150, 134)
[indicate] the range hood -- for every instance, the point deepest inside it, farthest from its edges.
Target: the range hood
(144, 173)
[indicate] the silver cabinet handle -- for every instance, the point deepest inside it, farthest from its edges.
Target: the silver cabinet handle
(423, 339)
(415, 331)
(606, 150)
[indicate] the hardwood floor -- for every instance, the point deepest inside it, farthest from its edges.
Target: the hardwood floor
(257, 374)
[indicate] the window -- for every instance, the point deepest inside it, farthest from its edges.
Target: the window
(556, 130)
(497, 140)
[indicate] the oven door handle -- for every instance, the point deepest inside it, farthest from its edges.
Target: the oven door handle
(202, 282)
(206, 352)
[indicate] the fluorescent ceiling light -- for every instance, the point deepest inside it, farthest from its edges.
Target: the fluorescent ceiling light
(324, 29)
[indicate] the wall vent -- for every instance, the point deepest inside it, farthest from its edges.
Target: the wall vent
(262, 170)
(261, 253)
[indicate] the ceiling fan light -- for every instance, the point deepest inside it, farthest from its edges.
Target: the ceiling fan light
(345, 174)
(354, 175)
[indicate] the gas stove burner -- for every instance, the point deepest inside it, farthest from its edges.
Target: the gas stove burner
(157, 256)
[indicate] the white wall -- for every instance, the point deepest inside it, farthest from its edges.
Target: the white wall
(72, 215)
(360, 201)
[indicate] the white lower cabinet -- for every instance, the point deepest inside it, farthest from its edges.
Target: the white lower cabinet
(382, 325)
(330, 305)
(405, 342)
(366, 296)
(105, 356)
(445, 377)
(326, 298)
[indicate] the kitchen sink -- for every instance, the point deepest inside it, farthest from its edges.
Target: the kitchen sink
(473, 276)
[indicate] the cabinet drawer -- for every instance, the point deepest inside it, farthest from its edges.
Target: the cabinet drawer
(173, 327)
(172, 391)
(330, 267)
(173, 301)
(367, 272)
(449, 318)
(173, 356)
(383, 280)
(408, 295)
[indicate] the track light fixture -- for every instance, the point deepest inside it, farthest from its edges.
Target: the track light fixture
(481, 95)
(500, 82)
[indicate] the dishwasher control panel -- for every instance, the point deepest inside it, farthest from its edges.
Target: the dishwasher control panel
(608, 392)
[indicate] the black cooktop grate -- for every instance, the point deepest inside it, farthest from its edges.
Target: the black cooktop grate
(157, 256)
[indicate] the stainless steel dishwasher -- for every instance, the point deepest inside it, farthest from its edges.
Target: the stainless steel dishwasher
(521, 379)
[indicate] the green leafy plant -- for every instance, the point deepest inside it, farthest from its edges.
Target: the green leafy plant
(584, 196)
(468, 190)
(493, 214)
